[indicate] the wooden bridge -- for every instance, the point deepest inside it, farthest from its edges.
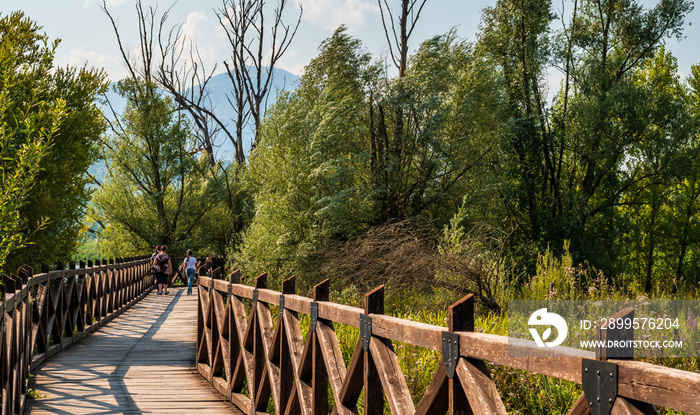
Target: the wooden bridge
(234, 349)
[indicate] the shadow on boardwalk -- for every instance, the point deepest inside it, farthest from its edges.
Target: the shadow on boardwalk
(142, 362)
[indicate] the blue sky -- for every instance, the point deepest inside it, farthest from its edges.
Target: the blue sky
(88, 37)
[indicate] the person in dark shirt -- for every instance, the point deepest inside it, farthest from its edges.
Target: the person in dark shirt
(163, 269)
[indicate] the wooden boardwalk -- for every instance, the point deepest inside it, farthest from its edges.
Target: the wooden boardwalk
(141, 362)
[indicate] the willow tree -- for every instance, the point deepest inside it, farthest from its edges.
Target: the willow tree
(567, 168)
(313, 172)
(309, 170)
(612, 41)
(152, 192)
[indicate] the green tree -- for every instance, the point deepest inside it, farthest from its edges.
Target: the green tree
(309, 170)
(566, 169)
(687, 202)
(515, 37)
(322, 168)
(152, 195)
(655, 157)
(612, 39)
(37, 107)
(452, 130)
(61, 191)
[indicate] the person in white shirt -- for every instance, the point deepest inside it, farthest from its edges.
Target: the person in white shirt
(190, 264)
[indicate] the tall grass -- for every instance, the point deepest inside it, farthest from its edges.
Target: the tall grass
(522, 392)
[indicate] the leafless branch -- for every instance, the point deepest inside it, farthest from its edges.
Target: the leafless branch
(250, 72)
(407, 20)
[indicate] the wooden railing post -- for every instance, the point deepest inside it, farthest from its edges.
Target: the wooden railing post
(286, 364)
(471, 389)
(24, 354)
(201, 326)
(235, 347)
(90, 291)
(5, 368)
(69, 293)
(125, 281)
(111, 286)
(321, 292)
(258, 390)
(23, 275)
(8, 285)
(460, 317)
(612, 334)
(133, 276)
(374, 399)
(57, 292)
(232, 344)
(81, 305)
(118, 284)
(603, 352)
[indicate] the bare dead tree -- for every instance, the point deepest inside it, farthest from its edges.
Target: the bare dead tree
(398, 40)
(398, 28)
(139, 67)
(184, 76)
(250, 69)
(237, 20)
(180, 70)
(166, 59)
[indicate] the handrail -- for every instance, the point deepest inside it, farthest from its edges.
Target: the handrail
(45, 313)
(234, 347)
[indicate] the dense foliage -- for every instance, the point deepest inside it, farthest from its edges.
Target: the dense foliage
(467, 141)
(153, 193)
(325, 171)
(49, 127)
(461, 174)
(465, 151)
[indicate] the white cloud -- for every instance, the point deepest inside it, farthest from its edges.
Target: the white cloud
(115, 3)
(110, 3)
(295, 68)
(208, 36)
(78, 57)
(329, 14)
(292, 61)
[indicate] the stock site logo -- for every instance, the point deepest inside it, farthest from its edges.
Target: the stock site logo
(542, 318)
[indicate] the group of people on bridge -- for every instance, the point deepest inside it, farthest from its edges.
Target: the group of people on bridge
(162, 267)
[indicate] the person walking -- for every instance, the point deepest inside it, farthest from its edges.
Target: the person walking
(163, 269)
(153, 270)
(190, 264)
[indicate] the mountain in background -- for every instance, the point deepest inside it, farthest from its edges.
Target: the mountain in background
(219, 86)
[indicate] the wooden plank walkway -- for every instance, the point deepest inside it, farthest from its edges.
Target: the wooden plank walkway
(141, 362)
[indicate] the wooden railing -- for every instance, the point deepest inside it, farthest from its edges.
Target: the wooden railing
(250, 361)
(45, 313)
